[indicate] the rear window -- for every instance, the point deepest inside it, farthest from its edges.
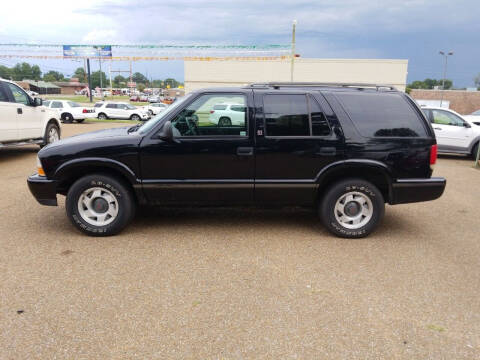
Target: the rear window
(98, 104)
(382, 115)
(219, 107)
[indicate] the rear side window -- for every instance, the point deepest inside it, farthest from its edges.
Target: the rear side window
(3, 94)
(219, 107)
(286, 115)
(46, 103)
(382, 115)
(111, 106)
(56, 105)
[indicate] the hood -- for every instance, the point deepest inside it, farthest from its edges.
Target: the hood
(474, 120)
(91, 136)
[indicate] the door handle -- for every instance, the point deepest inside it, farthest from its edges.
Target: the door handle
(245, 151)
(328, 151)
(19, 111)
(437, 128)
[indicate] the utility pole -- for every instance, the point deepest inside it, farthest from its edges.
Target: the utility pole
(293, 50)
(110, 73)
(445, 55)
(89, 80)
(101, 76)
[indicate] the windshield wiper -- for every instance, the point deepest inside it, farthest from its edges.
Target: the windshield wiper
(134, 128)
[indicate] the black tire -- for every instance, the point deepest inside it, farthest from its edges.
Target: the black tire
(47, 138)
(135, 117)
(361, 190)
(102, 116)
(224, 121)
(474, 151)
(121, 193)
(67, 118)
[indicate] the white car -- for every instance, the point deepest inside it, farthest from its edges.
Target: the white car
(227, 114)
(69, 111)
(120, 110)
(154, 109)
(454, 133)
(473, 118)
(24, 120)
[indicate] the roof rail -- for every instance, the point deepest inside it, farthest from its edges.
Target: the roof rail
(321, 84)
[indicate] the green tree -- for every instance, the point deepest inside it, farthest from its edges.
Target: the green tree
(476, 80)
(139, 78)
(119, 81)
(95, 78)
(5, 72)
(141, 87)
(26, 71)
(430, 84)
(80, 74)
(53, 76)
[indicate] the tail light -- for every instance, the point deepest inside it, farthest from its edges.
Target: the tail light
(433, 155)
(84, 111)
(212, 111)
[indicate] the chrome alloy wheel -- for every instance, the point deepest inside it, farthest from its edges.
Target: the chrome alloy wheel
(353, 210)
(53, 135)
(98, 206)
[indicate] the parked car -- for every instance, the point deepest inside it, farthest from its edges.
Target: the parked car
(154, 109)
(454, 133)
(143, 98)
(69, 110)
(120, 110)
(227, 114)
(134, 98)
(473, 118)
(154, 99)
(343, 151)
(23, 120)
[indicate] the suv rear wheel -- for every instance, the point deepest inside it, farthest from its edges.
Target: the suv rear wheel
(102, 116)
(100, 205)
(352, 208)
(224, 121)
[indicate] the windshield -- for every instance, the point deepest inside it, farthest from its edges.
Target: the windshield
(158, 118)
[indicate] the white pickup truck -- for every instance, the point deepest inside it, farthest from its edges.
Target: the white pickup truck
(24, 120)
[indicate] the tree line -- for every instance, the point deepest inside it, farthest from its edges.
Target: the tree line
(22, 71)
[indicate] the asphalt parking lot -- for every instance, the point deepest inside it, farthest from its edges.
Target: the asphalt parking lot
(239, 284)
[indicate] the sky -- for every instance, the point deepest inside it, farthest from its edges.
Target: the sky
(390, 29)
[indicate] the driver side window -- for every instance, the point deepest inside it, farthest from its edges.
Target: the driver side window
(213, 115)
(446, 118)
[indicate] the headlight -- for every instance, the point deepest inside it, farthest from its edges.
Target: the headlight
(40, 168)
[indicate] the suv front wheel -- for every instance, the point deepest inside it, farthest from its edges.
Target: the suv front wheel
(100, 205)
(352, 208)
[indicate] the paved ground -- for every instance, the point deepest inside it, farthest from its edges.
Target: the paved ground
(237, 284)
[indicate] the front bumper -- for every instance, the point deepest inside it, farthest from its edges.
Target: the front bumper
(416, 190)
(44, 190)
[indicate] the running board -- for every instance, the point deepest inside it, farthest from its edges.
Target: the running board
(20, 143)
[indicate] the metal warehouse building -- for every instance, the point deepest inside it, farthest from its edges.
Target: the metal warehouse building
(202, 74)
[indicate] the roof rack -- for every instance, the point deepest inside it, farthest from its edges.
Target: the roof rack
(321, 84)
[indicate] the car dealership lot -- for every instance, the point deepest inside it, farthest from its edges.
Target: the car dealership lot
(239, 283)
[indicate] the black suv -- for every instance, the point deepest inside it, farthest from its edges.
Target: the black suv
(343, 149)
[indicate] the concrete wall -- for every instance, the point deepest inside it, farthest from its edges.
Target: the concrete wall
(463, 102)
(202, 74)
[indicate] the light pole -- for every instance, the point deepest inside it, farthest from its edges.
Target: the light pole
(292, 60)
(445, 55)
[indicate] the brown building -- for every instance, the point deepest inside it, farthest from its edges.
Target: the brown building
(39, 86)
(69, 87)
(462, 101)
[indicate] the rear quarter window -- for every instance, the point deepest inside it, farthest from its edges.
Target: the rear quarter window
(382, 115)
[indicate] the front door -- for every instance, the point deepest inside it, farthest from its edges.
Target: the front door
(29, 117)
(450, 131)
(295, 141)
(207, 163)
(8, 116)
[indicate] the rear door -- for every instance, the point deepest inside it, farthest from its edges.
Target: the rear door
(8, 116)
(295, 140)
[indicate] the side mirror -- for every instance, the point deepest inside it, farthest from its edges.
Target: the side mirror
(467, 125)
(37, 102)
(167, 132)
